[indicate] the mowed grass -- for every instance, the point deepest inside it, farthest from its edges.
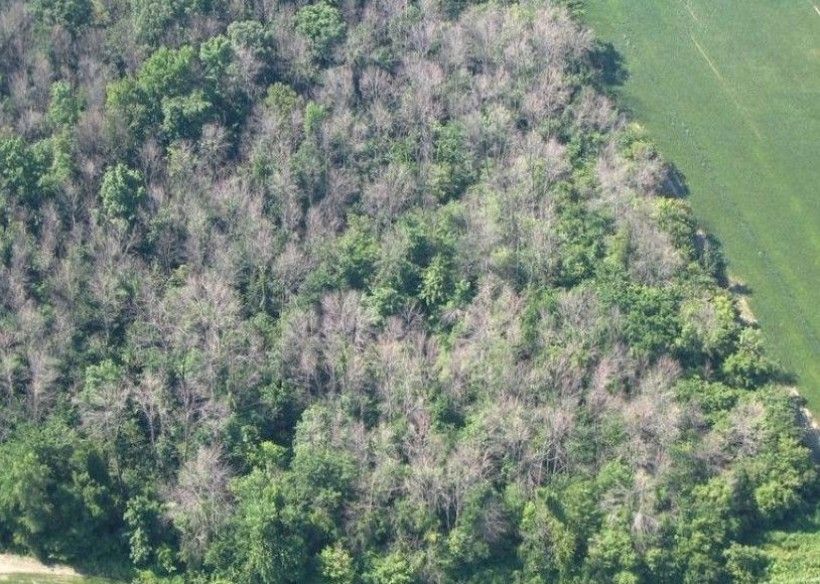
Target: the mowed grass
(42, 579)
(730, 92)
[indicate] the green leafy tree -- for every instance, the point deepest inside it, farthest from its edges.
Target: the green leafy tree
(20, 170)
(323, 26)
(394, 568)
(748, 366)
(167, 72)
(714, 516)
(452, 170)
(652, 315)
(281, 99)
(184, 115)
(612, 557)
(267, 546)
(745, 564)
(337, 565)
(141, 103)
(253, 39)
(145, 529)
(436, 282)
(72, 14)
(55, 495)
(356, 254)
(315, 114)
(216, 55)
(121, 192)
(64, 109)
(709, 326)
(548, 547)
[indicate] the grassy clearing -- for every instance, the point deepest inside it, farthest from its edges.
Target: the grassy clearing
(18, 569)
(41, 579)
(730, 91)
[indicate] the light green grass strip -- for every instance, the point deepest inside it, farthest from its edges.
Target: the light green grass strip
(43, 579)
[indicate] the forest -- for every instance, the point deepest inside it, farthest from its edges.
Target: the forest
(382, 291)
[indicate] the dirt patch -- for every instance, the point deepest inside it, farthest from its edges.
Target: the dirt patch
(11, 564)
(811, 425)
(741, 295)
(745, 310)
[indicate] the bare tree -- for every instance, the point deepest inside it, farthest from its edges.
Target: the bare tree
(198, 503)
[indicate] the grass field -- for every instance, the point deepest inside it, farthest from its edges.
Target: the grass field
(730, 92)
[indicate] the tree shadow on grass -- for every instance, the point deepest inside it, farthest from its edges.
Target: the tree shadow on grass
(609, 65)
(674, 182)
(740, 288)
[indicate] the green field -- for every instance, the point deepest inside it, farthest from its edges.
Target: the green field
(730, 91)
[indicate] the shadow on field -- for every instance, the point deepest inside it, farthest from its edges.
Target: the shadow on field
(675, 181)
(740, 289)
(610, 65)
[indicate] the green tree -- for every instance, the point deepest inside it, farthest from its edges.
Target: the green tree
(72, 14)
(611, 556)
(712, 518)
(745, 564)
(452, 170)
(64, 109)
(356, 254)
(748, 366)
(140, 103)
(20, 170)
(216, 55)
(337, 565)
(436, 282)
(253, 39)
(394, 568)
(145, 530)
(55, 495)
(267, 544)
(184, 115)
(323, 26)
(167, 72)
(709, 325)
(652, 315)
(281, 99)
(121, 192)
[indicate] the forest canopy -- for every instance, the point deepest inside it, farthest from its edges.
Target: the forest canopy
(382, 292)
